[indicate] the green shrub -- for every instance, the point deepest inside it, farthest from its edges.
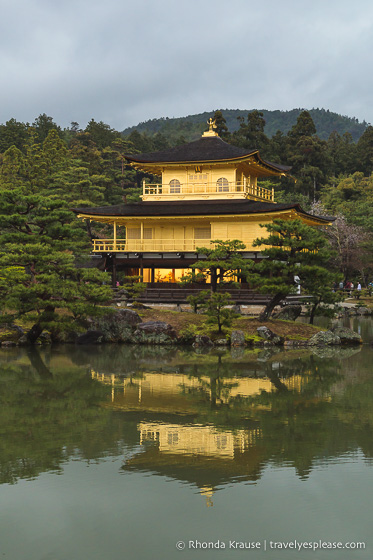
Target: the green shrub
(217, 310)
(197, 300)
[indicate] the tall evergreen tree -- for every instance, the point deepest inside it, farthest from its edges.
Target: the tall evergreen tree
(43, 124)
(308, 155)
(101, 134)
(42, 242)
(303, 127)
(342, 150)
(12, 133)
(251, 133)
(221, 125)
(365, 151)
(293, 250)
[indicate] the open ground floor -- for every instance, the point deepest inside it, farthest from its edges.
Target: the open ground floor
(153, 268)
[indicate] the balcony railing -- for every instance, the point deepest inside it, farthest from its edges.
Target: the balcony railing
(208, 189)
(150, 245)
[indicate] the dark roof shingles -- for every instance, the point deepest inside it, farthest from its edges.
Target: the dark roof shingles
(192, 208)
(204, 149)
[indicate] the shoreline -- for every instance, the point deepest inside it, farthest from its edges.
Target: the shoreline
(159, 326)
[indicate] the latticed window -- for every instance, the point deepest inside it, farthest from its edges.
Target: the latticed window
(198, 178)
(135, 233)
(202, 232)
(175, 186)
(222, 185)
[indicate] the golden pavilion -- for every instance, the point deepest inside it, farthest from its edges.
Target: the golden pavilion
(208, 190)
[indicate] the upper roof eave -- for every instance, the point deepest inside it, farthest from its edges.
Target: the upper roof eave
(206, 151)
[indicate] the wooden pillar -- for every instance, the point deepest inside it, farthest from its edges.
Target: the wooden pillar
(115, 235)
(141, 269)
(152, 272)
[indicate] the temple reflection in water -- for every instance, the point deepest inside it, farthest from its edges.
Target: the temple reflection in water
(204, 420)
(184, 424)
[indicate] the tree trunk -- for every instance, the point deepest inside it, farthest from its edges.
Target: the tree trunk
(266, 313)
(313, 310)
(214, 280)
(88, 224)
(36, 330)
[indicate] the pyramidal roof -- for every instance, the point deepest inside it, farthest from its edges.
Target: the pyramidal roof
(205, 150)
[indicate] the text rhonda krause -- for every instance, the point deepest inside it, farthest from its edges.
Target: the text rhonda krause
(279, 545)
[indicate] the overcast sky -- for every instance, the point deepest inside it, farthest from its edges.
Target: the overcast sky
(124, 61)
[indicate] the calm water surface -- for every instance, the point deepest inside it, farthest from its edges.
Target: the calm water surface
(122, 452)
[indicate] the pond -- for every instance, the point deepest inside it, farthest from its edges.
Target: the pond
(127, 452)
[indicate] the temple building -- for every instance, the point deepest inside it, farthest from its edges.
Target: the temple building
(208, 190)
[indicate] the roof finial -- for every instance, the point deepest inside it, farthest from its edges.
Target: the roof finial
(210, 132)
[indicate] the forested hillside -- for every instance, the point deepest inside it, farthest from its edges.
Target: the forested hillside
(190, 127)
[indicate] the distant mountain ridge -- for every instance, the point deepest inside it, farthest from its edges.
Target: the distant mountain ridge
(192, 126)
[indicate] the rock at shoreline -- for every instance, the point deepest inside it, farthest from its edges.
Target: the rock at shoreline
(10, 333)
(295, 343)
(238, 338)
(45, 337)
(354, 311)
(347, 336)
(221, 342)
(288, 313)
(65, 337)
(202, 341)
(90, 337)
(154, 332)
(118, 326)
(269, 336)
(324, 338)
(8, 343)
(363, 311)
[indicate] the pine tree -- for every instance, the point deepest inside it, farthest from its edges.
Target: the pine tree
(223, 262)
(12, 133)
(42, 243)
(365, 151)
(221, 125)
(303, 127)
(251, 133)
(291, 248)
(308, 155)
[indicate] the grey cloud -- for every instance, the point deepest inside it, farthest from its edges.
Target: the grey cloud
(123, 62)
